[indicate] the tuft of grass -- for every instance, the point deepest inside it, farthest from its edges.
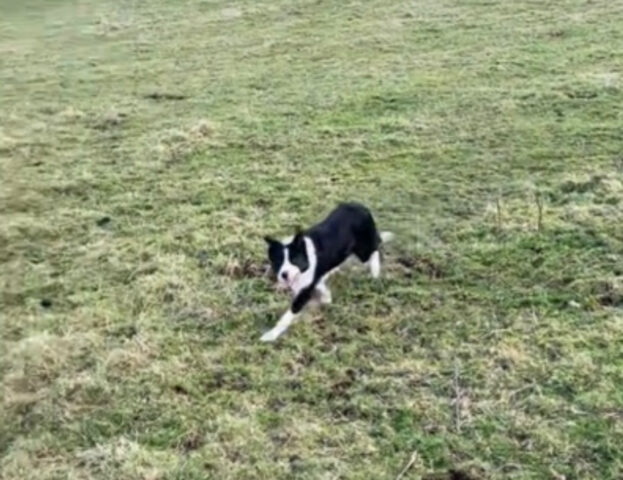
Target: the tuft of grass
(146, 148)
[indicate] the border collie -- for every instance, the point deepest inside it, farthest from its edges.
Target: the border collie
(303, 262)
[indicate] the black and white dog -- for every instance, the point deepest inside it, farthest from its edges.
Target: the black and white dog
(303, 262)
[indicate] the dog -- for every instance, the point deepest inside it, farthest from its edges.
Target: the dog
(303, 262)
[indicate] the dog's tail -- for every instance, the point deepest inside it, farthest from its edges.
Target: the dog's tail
(387, 237)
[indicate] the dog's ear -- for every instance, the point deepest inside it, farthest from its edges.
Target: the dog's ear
(270, 240)
(298, 236)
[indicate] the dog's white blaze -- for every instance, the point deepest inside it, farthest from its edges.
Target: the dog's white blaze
(306, 278)
(288, 268)
(375, 264)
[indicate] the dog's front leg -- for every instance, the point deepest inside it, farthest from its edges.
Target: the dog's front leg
(282, 325)
(287, 318)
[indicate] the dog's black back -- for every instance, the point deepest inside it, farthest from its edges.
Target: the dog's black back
(348, 230)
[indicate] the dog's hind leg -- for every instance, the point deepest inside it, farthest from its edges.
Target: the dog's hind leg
(324, 297)
(374, 262)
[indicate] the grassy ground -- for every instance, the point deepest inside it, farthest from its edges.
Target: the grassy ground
(146, 147)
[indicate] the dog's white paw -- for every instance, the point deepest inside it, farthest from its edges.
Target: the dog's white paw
(270, 336)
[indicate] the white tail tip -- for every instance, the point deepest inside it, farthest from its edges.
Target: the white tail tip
(387, 236)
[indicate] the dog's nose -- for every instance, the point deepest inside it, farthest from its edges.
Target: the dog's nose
(284, 275)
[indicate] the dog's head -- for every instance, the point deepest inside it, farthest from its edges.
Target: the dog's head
(288, 259)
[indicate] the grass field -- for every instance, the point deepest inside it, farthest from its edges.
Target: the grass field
(146, 148)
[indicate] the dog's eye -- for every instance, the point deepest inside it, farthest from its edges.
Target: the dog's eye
(300, 260)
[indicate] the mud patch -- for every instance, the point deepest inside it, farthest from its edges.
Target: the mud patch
(245, 268)
(103, 222)
(589, 185)
(410, 265)
(165, 96)
(340, 389)
(223, 380)
(46, 303)
(450, 475)
(180, 389)
(608, 294)
(109, 120)
(193, 441)
(123, 331)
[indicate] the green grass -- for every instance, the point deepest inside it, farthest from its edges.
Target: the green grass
(146, 148)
